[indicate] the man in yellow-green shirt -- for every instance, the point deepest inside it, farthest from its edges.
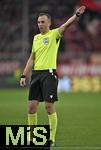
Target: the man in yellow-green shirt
(42, 62)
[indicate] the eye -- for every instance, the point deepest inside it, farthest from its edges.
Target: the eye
(42, 21)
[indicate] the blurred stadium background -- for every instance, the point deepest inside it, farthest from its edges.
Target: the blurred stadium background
(79, 68)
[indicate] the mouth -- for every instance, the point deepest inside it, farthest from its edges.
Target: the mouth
(41, 28)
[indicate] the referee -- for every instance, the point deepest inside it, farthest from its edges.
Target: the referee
(42, 63)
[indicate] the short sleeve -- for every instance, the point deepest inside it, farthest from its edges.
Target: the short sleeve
(33, 46)
(56, 33)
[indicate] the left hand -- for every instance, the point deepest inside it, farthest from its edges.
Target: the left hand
(80, 10)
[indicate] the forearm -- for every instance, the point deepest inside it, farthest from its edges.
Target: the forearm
(28, 66)
(75, 17)
(70, 21)
(64, 27)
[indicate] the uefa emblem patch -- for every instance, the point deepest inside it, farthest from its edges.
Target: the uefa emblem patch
(46, 41)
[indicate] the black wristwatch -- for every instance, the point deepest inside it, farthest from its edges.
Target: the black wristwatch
(23, 76)
(78, 14)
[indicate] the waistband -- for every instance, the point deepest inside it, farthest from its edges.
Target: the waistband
(47, 70)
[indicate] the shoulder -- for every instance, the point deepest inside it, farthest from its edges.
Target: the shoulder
(56, 32)
(36, 36)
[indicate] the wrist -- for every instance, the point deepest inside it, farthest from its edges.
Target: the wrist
(22, 76)
(78, 14)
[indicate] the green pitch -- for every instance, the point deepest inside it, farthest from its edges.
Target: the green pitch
(79, 117)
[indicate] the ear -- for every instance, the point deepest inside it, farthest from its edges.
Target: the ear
(50, 23)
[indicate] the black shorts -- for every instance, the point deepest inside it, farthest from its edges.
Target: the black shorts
(43, 85)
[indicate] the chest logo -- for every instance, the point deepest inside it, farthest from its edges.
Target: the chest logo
(46, 40)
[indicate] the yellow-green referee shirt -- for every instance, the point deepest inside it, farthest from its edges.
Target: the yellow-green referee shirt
(45, 47)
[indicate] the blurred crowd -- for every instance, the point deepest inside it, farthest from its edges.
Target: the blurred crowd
(80, 41)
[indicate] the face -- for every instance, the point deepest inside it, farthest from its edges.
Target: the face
(43, 23)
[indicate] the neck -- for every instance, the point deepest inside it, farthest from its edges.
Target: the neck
(44, 32)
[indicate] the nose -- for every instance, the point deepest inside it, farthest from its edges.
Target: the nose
(40, 25)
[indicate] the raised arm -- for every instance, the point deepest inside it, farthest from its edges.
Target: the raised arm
(77, 14)
(27, 70)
